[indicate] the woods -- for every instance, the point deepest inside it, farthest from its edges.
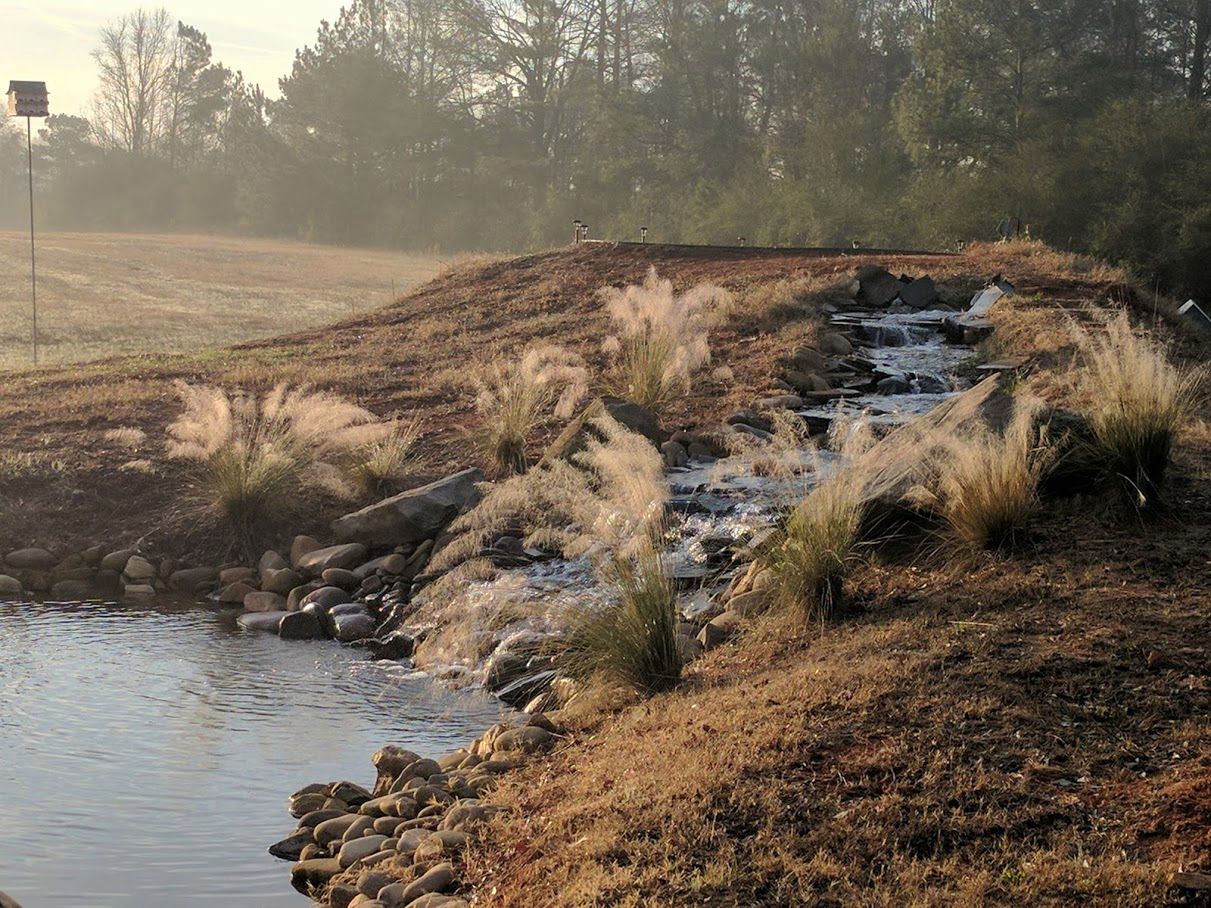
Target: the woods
(491, 124)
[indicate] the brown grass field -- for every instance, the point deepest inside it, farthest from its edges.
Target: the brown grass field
(102, 294)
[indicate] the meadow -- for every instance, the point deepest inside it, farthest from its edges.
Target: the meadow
(104, 294)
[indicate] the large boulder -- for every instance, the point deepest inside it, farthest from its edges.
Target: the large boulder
(575, 437)
(413, 516)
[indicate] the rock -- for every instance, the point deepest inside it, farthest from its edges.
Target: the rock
(291, 847)
(235, 594)
(675, 455)
(30, 560)
(353, 851)
(920, 294)
(231, 575)
(440, 844)
(745, 429)
(351, 793)
(10, 587)
(749, 604)
(73, 590)
(300, 548)
(370, 882)
(305, 803)
(262, 621)
(750, 418)
(575, 436)
(440, 879)
(390, 761)
(300, 626)
(894, 384)
(780, 402)
(139, 570)
(138, 592)
(280, 580)
(719, 630)
(877, 286)
(830, 343)
(93, 554)
(689, 648)
(353, 627)
(806, 359)
(933, 384)
(412, 516)
(189, 580)
(340, 577)
(271, 561)
(294, 601)
(310, 877)
(334, 830)
(313, 818)
(394, 647)
(314, 563)
(341, 896)
(264, 602)
(806, 382)
(7, 901)
(524, 740)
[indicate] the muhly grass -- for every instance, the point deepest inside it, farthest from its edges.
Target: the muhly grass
(631, 641)
(254, 455)
(817, 548)
(661, 338)
(1137, 402)
(986, 487)
(381, 464)
(515, 395)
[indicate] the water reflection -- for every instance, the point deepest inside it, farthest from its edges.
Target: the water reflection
(146, 754)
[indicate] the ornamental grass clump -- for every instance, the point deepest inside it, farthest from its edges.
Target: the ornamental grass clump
(986, 488)
(661, 338)
(380, 465)
(632, 640)
(1137, 401)
(254, 457)
(817, 548)
(516, 395)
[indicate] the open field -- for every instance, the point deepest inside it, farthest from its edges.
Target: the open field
(101, 294)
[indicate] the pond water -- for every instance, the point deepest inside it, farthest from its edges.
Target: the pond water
(146, 755)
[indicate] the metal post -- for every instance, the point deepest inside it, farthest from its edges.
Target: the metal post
(33, 256)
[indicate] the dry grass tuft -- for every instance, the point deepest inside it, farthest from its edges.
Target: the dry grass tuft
(770, 307)
(515, 395)
(380, 465)
(252, 456)
(1138, 402)
(662, 338)
(986, 486)
(632, 642)
(605, 505)
(817, 548)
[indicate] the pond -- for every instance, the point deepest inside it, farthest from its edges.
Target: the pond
(146, 754)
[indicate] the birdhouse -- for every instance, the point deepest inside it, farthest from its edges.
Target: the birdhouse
(28, 99)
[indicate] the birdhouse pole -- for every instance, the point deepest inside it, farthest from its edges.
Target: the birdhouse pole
(29, 100)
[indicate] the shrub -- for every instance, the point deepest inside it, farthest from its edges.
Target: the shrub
(816, 550)
(381, 464)
(1138, 403)
(662, 338)
(633, 640)
(987, 486)
(251, 456)
(515, 395)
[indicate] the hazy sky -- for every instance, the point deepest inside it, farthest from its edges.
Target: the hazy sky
(50, 40)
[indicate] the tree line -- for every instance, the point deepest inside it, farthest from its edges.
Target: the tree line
(492, 124)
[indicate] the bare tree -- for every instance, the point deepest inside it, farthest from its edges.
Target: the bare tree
(135, 59)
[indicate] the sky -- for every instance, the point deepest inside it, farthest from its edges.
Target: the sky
(51, 40)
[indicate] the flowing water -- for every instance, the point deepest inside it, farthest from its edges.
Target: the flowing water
(146, 754)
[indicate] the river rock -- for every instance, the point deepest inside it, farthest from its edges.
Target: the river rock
(291, 847)
(340, 577)
(894, 384)
(258, 601)
(301, 547)
(73, 590)
(262, 621)
(675, 454)
(314, 563)
(440, 879)
(806, 359)
(394, 647)
(831, 343)
(806, 382)
(528, 739)
(10, 587)
(440, 844)
(235, 593)
(334, 830)
(354, 626)
(32, 559)
(189, 580)
(294, 601)
(326, 597)
(7, 901)
(309, 877)
(271, 561)
(353, 851)
(389, 762)
(575, 436)
(412, 516)
(351, 793)
(139, 570)
(138, 592)
(280, 580)
(300, 626)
